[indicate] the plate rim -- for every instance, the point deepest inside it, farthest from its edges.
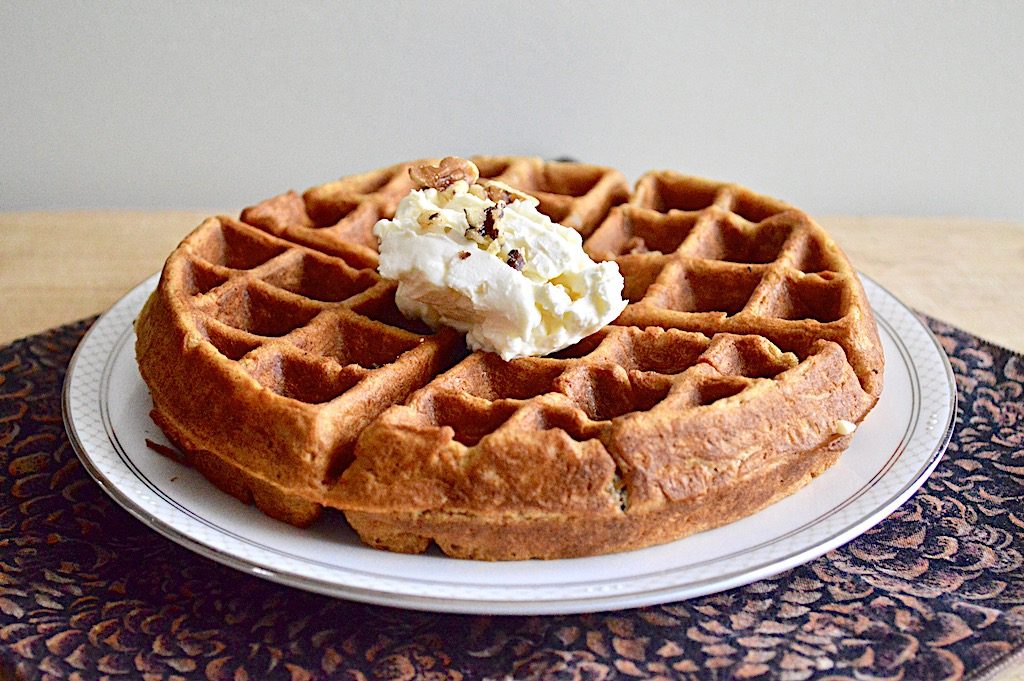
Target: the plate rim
(513, 606)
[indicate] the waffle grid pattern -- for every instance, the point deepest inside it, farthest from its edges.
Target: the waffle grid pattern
(719, 279)
(716, 257)
(581, 390)
(300, 322)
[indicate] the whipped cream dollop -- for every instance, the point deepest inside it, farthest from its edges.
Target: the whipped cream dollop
(482, 259)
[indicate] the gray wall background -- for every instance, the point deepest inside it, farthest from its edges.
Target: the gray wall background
(905, 108)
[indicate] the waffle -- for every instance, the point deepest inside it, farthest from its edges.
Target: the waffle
(280, 366)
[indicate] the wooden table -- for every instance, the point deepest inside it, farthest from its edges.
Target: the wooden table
(59, 267)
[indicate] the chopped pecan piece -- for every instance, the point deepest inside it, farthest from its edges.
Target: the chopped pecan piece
(515, 260)
(463, 255)
(450, 170)
(490, 227)
(499, 191)
(474, 219)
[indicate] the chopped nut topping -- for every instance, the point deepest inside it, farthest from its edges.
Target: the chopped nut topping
(490, 226)
(515, 260)
(449, 171)
(483, 226)
(499, 191)
(472, 220)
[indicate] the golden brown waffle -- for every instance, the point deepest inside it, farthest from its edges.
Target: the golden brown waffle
(280, 365)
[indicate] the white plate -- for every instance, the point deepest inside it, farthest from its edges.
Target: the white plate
(106, 407)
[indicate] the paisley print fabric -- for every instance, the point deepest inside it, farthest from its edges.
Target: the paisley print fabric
(936, 591)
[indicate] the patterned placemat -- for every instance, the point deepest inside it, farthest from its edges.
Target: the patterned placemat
(935, 591)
